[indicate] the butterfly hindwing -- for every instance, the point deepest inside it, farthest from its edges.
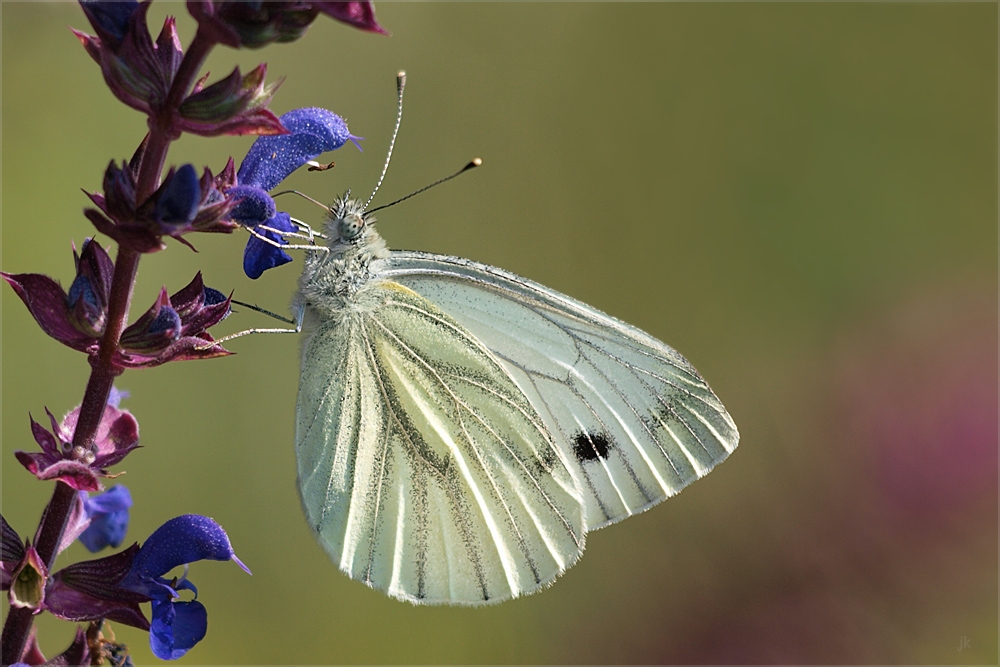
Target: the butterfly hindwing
(423, 468)
(634, 419)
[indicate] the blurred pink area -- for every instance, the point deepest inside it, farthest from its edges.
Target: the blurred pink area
(920, 388)
(891, 555)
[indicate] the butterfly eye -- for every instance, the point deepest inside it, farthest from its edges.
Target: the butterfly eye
(350, 226)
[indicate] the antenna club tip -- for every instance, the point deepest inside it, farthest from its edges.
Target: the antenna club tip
(401, 75)
(476, 161)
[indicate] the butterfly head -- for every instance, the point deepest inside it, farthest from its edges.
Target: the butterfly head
(348, 220)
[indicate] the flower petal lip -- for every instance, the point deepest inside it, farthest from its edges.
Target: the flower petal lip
(256, 207)
(259, 256)
(176, 627)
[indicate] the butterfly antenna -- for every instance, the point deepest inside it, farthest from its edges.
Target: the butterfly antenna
(400, 84)
(475, 162)
(304, 196)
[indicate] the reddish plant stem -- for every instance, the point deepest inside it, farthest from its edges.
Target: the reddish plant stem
(194, 56)
(103, 372)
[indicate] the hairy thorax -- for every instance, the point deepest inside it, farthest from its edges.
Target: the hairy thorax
(332, 283)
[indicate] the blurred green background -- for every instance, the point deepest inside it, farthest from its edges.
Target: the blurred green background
(801, 198)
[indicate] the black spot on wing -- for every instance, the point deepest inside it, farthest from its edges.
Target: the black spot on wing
(591, 446)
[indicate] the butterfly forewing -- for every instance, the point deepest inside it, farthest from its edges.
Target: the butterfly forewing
(423, 467)
(633, 418)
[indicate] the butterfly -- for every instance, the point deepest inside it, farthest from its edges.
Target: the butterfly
(460, 429)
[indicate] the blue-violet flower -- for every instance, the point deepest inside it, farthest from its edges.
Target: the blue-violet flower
(177, 626)
(108, 514)
(312, 131)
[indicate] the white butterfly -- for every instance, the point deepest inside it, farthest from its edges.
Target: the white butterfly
(460, 429)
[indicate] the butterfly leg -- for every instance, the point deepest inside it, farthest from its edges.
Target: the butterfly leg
(239, 334)
(306, 228)
(263, 238)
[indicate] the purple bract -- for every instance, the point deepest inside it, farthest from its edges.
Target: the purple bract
(140, 72)
(256, 24)
(81, 468)
(173, 329)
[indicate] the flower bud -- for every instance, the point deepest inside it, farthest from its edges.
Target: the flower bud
(234, 105)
